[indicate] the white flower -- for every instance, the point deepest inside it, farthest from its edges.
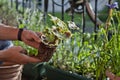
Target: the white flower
(72, 25)
(60, 24)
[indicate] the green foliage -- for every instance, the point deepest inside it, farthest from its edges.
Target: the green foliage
(82, 53)
(91, 57)
(32, 20)
(7, 14)
(52, 34)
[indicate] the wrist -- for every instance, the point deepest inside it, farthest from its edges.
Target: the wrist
(113, 77)
(19, 36)
(1, 62)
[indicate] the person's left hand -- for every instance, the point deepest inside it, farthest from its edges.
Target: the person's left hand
(30, 38)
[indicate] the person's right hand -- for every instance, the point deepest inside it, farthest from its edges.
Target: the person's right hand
(16, 55)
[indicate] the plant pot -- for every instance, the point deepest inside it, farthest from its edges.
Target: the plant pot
(56, 74)
(12, 72)
(30, 72)
(9, 71)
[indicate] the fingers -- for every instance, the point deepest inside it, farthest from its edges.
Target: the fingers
(110, 75)
(7, 64)
(36, 37)
(27, 59)
(17, 55)
(23, 51)
(33, 44)
(33, 60)
(24, 59)
(31, 38)
(39, 34)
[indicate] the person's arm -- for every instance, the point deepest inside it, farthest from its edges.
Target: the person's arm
(16, 55)
(112, 76)
(8, 33)
(27, 36)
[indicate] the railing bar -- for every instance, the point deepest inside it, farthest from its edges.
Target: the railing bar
(29, 3)
(11, 3)
(84, 23)
(72, 10)
(95, 28)
(53, 8)
(17, 5)
(23, 5)
(62, 10)
(45, 10)
(60, 4)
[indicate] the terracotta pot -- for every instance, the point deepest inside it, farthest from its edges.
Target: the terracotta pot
(12, 72)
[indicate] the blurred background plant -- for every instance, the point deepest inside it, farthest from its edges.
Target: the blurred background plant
(32, 20)
(7, 14)
(91, 57)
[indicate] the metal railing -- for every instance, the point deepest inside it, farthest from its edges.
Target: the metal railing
(73, 5)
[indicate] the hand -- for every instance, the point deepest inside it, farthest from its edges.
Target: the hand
(16, 54)
(111, 75)
(44, 52)
(30, 38)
